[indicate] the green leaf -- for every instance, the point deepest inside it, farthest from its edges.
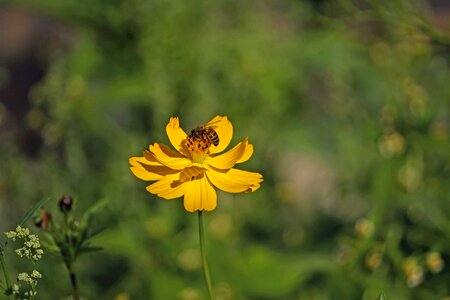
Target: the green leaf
(95, 232)
(90, 249)
(32, 210)
(383, 296)
(49, 243)
(83, 229)
(91, 211)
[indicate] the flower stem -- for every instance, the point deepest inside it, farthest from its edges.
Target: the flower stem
(74, 283)
(202, 252)
(5, 272)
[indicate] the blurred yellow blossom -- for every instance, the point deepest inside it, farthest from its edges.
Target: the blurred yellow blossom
(374, 258)
(122, 296)
(409, 176)
(189, 260)
(189, 294)
(392, 144)
(363, 227)
(414, 272)
(434, 262)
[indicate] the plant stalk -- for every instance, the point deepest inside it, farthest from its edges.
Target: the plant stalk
(5, 273)
(202, 252)
(74, 283)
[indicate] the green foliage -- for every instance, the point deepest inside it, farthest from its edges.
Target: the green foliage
(347, 105)
(71, 237)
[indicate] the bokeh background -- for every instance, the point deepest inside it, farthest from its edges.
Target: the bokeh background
(347, 105)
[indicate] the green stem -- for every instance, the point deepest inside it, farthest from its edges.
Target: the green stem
(33, 291)
(5, 273)
(202, 252)
(74, 283)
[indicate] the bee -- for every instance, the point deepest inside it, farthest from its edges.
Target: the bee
(205, 134)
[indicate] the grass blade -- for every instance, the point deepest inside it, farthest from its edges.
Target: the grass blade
(32, 210)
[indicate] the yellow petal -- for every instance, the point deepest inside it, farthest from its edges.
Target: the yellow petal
(168, 187)
(200, 195)
(143, 160)
(234, 180)
(191, 173)
(224, 130)
(175, 133)
(169, 157)
(247, 154)
(148, 171)
(228, 159)
(163, 150)
(150, 158)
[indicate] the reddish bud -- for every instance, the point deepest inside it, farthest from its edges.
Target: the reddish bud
(65, 203)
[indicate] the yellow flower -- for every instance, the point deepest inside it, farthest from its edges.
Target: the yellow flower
(434, 262)
(196, 167)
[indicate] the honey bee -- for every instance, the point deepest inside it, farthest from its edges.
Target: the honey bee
(204, 134)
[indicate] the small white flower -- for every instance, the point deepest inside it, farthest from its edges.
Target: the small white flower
(36, 274)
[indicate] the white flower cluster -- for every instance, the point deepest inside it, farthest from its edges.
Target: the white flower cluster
(31, 246)
(20, 233)
(30, 249)
(28, 279)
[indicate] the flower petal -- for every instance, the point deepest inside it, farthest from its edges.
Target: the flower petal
(228, 160)
(200, 195)
(247, 154)
(168, 187)
(224, 130)
(175, 133)
(148, 171)
(150, 158)
(169, 157)
(234, 180)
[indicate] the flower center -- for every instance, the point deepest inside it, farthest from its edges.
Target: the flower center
(198, 146)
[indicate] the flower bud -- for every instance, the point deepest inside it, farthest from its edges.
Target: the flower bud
(43, 220)
(65, 203)
(75, 224)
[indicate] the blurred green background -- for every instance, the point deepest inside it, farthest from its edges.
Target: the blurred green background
(346, 102)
